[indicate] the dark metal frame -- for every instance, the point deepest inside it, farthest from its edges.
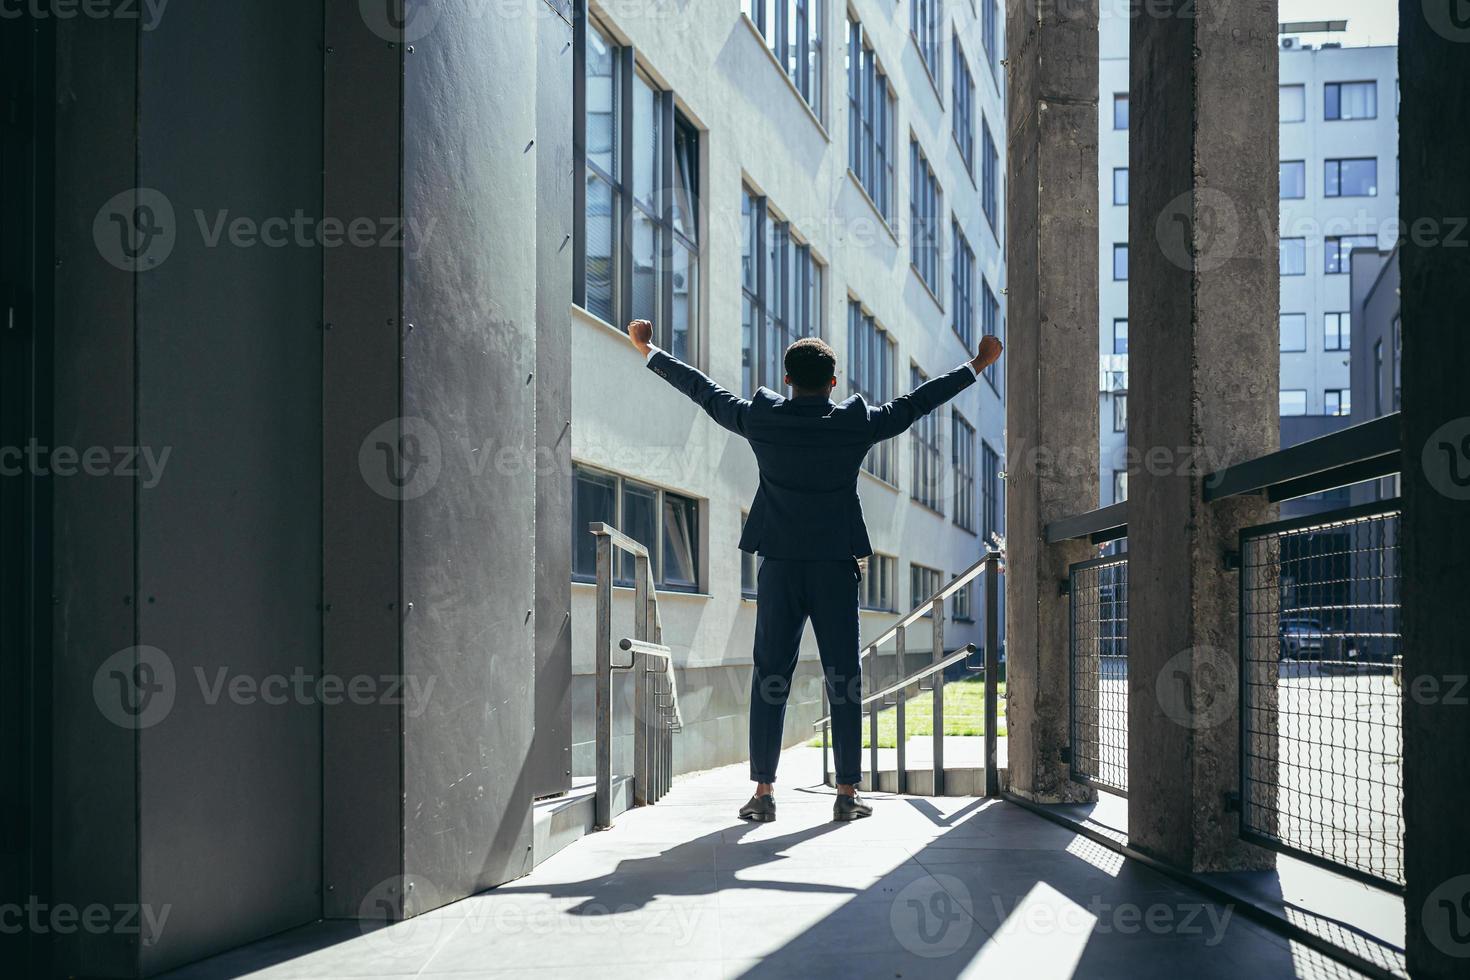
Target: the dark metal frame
(1338, 459)
(1098, 526)
(1079, 775)
(1372, 509)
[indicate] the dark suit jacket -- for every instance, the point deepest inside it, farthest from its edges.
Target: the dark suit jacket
(809, 451)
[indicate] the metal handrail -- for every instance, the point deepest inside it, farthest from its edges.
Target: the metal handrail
(1338, 459)
(1104, 524)
(656, 713)
(873, 703)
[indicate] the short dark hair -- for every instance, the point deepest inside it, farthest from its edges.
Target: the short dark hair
(811, 363)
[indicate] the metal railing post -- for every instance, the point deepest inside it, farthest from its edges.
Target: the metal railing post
(825, 712)
(602, 811)
(938, 685)
(899, 658)
(642, 717)
(992, 676)
(873, 745)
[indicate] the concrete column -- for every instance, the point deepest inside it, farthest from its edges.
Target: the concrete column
(1203, 303)
(1051, 368)
(1434, 49)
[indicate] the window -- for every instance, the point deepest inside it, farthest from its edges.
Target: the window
(923, 583)
(962, 454)
(1293, 256)
(1120, 185)
(781, 293)
(990, 182)
(1293, 332)
(666, 522)
(1293, 401)
(1377, 378)
(1336, 401)
(794, 30)
(870, 373)
(987, 34)
(962, 118)
(962, 276)
(636, 232)
(1120, 486)
(1357, 177)
(924, 26)
(992, 326)
(1293, 104)
(1120, 110)
(1120, 263)
(1293, 179)
(990, 487)
(1339, 249)
(924, 211)
(1337, 331)
(870, 121)
(749, 566)
(1350, 100)
(876, 591)
(1120, 412)
(1120, 336)
(928, 478)
(960, 605)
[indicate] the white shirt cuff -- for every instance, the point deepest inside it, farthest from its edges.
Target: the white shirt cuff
(973, 370)
(651, 351)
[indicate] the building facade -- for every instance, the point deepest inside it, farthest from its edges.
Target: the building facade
(772, 170)
(1338, 191)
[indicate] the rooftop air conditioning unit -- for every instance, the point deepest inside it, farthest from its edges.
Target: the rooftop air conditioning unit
(1287, 43)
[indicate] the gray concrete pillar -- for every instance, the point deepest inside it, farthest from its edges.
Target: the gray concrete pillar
(1434, 50)
(1203, 303)
(1051, 368)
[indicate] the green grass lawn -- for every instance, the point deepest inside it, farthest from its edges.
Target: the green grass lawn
(964, 714)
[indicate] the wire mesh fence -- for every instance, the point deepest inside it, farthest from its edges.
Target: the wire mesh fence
(1099, 669)
(1321, 734)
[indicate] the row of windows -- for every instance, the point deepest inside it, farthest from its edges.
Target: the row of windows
(781, 292)
(1346, 177)
(1337, 251)
(1340, 101)
(1335, 401)
(1336, 331)
(637, 242)
(665, 522)
(794, 30)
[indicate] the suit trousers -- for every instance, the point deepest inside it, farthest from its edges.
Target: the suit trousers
(788, 593)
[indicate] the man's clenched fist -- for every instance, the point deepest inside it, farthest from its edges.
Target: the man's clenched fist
(640, 332)
(990, 348)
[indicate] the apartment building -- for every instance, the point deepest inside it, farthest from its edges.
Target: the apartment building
(1338, 190)
(770, 170)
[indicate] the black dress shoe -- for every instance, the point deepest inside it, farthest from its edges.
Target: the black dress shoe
(850, 808)
(761, 809)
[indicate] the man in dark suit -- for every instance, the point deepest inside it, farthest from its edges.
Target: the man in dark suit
(806, 523)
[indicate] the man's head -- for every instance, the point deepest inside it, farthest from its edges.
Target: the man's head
(811, 367)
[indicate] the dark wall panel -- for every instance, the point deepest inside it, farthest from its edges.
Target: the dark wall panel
(362, 785)
(229, 538)
(93, 588)
(551, 754)
(468, 376)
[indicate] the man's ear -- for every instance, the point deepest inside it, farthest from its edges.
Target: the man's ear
(832, 382)
(786, 379)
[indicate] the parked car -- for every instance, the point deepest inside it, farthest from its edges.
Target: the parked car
(1302, 639)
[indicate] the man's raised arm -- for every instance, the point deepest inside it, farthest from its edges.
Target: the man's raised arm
(896, 416)
(725, 408)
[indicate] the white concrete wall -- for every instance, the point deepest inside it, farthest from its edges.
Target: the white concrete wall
(1313, 217)
(756, 129)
